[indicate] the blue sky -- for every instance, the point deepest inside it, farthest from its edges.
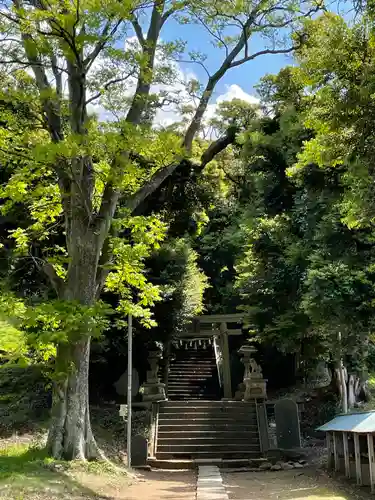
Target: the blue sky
(248, 75)
(239, 82)
(245, 76)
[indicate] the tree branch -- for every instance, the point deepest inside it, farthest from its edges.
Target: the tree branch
(162, 174)
(168, 13)
(109, 84)
(138, 31)
(105, 36)
(103, 270)
(234, 64)
(55, 280)
(48, 269)
(217, 146)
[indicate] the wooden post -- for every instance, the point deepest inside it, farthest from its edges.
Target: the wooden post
(371, 461)
(226, 361)
(357, 453)
(336, 452)
(346, 454)
(329, 449)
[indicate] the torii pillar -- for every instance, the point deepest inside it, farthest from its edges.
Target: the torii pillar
(227, 382)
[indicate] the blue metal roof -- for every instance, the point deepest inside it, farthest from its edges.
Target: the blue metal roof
(361, 422)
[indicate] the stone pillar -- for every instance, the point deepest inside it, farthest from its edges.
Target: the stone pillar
(153, 389)
(255, 384)
(227, 383)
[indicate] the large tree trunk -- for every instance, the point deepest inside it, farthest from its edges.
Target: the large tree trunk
(341, 381)
(70, 436)
(352, 379)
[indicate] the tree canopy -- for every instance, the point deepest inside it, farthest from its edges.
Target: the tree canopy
(106, 212)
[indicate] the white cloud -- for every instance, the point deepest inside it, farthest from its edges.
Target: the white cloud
(232, 92)
(168, 116)
(170, 113)
(236, 92)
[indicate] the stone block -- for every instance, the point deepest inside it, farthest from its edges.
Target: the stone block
(139, 450)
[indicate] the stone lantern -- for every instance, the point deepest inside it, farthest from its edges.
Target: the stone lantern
(254, 383)
(153, 389)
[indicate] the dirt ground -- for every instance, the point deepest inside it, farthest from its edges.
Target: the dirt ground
(160, 485)
(303, 484)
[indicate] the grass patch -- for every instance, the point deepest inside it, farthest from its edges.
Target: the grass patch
(27, 473)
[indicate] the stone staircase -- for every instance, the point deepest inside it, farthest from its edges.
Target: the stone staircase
(206, 430)
(193, 375)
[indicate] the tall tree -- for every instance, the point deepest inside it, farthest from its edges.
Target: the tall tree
(67, 56)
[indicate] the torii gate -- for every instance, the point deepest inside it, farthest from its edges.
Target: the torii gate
(215, 325)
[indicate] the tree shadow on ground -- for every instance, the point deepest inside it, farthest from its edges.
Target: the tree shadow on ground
(28, 475)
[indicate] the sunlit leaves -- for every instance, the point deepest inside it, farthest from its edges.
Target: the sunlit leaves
(127, 276)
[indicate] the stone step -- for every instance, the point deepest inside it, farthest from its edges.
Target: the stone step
(240, 412)
(218, 454)
(200, 412)
(184, 395)
(193, 362)
(200, 418)
(219, 440)
(227, 433)
(178, 397)
(211, 422)
(192, 369)
(182, 374)
(207, 427)
(211, 404)
(188, 383)
(190, 388)
(205, 448)
(202, 366)
(196, 361)
(173, 464)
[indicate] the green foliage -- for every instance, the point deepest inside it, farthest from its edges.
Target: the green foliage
(174, 269)
(305, 271)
